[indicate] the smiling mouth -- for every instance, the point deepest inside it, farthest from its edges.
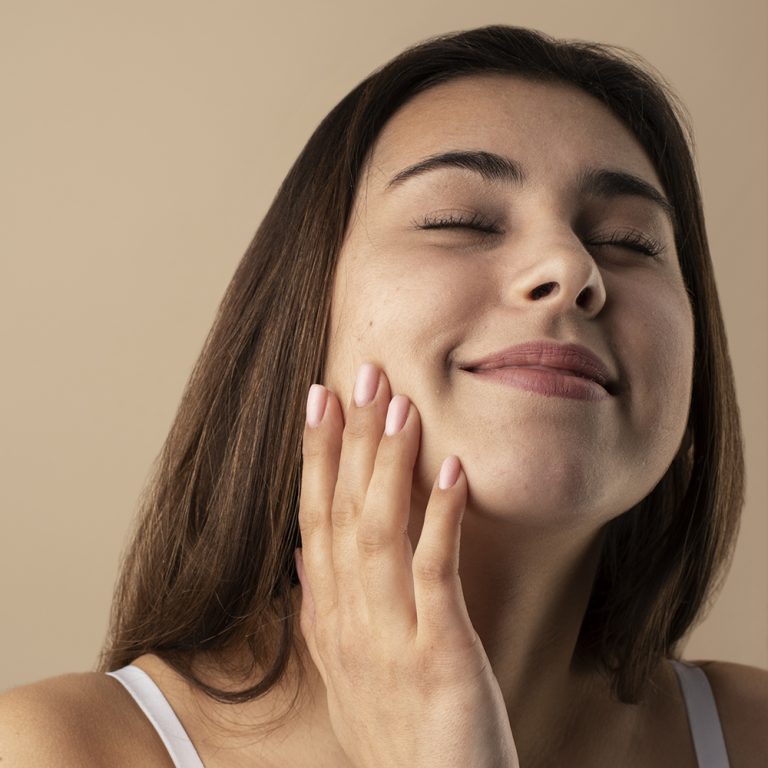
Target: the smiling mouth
(562, 371)
(547, 381)
(549, 367)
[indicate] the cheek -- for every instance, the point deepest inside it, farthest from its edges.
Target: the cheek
(388, 317)
(660, 372)
(404, 302)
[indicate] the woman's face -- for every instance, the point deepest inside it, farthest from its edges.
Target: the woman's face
(422, 299)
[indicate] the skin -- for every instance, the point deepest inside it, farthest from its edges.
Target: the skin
(452, 296)
(511, 548)
(544, 473)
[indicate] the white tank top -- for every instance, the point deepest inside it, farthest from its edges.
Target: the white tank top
(703, 719)
(159, 712)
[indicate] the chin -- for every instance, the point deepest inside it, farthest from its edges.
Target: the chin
(540, 488)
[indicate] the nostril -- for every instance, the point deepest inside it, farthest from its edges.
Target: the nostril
(543, 290)
(583, 299)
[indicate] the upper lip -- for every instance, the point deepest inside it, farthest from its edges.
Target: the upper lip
(573, 358)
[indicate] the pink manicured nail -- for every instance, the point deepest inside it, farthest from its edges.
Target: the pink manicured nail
(397, 413)
(449, 472)
(366, 384)
(316, 400)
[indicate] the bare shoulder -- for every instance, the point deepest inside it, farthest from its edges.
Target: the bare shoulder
(75, 719)
(741, 696)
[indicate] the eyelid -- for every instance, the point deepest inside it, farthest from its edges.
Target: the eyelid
(630, 238)
(458, 219)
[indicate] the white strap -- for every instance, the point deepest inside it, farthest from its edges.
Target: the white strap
(704, 722)
(159, 712)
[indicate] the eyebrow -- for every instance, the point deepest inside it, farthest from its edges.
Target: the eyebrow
(596, 182)
(489, 165)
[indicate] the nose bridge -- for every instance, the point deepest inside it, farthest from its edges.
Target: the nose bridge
(552, 266)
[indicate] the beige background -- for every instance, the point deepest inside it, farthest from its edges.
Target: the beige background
(140, 145)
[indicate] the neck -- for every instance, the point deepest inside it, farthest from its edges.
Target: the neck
(526, 600)
(527, 594)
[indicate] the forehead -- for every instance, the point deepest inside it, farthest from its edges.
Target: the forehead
(552, 129)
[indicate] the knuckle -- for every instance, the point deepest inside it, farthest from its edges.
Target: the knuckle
(345, 504)
(310, 519)
(357, 427)
(389, 456)
(434, 672)
(313, 448)
(373, 537)
(432, 570)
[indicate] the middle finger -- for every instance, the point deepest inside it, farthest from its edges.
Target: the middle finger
(363, 428)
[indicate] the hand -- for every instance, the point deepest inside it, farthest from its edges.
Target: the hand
(407, 678)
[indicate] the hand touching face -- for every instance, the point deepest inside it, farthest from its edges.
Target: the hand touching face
(532, 220)
(388, 628)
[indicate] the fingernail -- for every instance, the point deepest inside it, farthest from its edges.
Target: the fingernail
(396, 414)
(316, 400)
(366, 384)
(449, 472)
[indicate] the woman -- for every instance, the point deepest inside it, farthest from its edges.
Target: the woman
(492, 254)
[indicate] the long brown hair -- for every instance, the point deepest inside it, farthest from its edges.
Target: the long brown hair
(211, 560)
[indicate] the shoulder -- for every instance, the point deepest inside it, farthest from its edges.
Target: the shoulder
(75, 719)
(741, 696)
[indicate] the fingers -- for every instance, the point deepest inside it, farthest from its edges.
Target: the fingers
(440, 607)
(338, 461)
(384, 549)
(354, 510)
(362, 432)
(307, 615)
(320, 451)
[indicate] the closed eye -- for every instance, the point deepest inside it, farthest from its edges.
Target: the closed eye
(632, 240)
(454, 220)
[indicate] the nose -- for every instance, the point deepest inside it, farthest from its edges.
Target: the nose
(561, 276)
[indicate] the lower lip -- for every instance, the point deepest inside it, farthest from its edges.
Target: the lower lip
(546, 382)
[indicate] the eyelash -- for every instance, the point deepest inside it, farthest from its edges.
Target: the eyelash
(635, 241)
(449, 221)
(632, 239)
